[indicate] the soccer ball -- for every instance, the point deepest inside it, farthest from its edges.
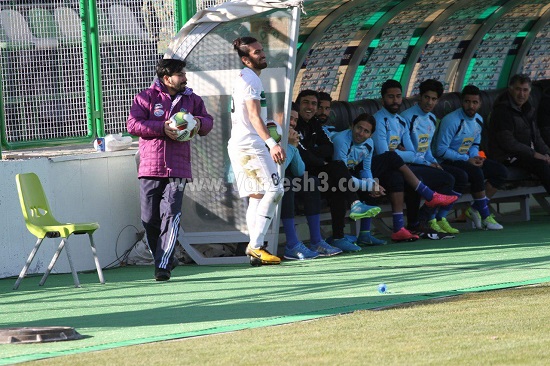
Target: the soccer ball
(185, 123)
(275, 130)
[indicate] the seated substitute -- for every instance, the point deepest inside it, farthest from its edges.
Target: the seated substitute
(316, 150)
(514, 137)
(323, 113)
(457, 145)
(422, 123)
(307, 188)
(393, 134)
(323, 116)
(355, 148)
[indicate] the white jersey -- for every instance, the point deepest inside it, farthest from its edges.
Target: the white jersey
(247, 86)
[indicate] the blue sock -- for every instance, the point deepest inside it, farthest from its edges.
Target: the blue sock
(290, 232)
(424, 191)
(314, 223)
(398, 221)
(444, 210)
(365, 224)
(482, 206)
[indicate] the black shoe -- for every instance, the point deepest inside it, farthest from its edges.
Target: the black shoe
(425, 232)
(162, 274)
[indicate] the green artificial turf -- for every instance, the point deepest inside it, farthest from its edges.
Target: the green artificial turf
(199, 300)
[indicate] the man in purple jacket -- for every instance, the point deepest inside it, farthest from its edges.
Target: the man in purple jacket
(165, 162)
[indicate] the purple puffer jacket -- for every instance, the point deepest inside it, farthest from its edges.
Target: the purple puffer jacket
(160, 156)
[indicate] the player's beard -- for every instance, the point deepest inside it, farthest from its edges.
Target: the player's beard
(179, 88)
(392, 108)
(323, 118)
(470, 112)
(259, 65)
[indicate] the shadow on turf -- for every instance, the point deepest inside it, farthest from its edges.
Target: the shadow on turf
(246, 293)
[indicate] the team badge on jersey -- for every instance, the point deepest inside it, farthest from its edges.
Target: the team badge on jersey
(351, 163)
(423, 142)
(465, 146)
(394, 142)
(158, 110)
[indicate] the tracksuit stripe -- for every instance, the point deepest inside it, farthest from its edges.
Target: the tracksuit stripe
(172, 238)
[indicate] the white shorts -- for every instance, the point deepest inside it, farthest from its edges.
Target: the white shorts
(255, 171)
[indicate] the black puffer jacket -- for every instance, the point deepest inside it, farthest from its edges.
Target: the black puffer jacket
(513, 131)
(315, 146)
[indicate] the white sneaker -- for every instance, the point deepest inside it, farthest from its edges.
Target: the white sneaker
(491, 224)
(473, 215)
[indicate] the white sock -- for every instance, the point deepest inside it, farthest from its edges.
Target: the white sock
(264, 214)
(251, 214)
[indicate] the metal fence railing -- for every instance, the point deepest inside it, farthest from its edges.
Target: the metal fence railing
(203, 4)
(135, 37)
(69, 69)
(42, 80)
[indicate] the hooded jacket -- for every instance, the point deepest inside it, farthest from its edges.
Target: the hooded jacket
(160, 156)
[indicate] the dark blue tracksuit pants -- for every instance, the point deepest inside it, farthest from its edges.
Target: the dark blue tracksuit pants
(161, 200)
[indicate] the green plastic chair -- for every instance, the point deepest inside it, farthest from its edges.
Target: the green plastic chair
(41, 223)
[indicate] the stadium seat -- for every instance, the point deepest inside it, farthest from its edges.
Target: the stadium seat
(104, 26)
(340, 115)
(125, 24)
(446, 104)
(18, 33)
(42, 224)
(370, 106)
(408, 103)
(69, 24)
(42, 23)
(133, 44)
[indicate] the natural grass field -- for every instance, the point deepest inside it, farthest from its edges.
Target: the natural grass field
(506, 327)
